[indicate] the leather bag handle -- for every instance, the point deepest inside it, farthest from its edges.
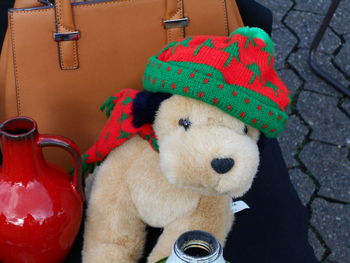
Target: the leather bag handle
(66, 35)
(175, 22)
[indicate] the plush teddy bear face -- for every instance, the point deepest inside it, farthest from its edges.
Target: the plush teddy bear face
(205, 149)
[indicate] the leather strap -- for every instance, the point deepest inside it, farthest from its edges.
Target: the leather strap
(175, 10)
(66, 35)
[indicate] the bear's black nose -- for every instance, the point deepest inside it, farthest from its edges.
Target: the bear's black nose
(222, 165)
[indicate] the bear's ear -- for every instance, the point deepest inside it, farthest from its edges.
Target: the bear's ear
(145, 106)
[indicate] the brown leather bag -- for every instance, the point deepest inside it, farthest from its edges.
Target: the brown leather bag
(60, 62)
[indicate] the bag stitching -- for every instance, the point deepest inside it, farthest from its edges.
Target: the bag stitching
(175, 15)
(18, 90)
(60, 53)
(223, 2)
(182, 7)
(171, 30)
(76, 58)
(169, 33)
(12, 26)
(103, 3)
(60, 44)
(76, 6)
(59, 17)
(30, 11)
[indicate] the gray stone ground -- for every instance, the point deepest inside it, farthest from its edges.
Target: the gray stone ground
(316, 142)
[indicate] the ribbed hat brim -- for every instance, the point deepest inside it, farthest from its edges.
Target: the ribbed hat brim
(244, 104)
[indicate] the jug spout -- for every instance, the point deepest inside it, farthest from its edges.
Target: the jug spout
(20, 155)
(18, 128)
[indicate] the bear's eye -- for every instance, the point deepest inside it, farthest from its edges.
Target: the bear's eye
(186, 123)
(245, 129)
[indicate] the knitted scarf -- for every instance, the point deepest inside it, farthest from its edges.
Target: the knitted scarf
(118, 129)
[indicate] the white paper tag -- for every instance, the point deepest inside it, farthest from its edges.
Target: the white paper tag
(238, 206)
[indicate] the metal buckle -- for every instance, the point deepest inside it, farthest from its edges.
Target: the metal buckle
(175, 23)
(47, 2)
(69, 36)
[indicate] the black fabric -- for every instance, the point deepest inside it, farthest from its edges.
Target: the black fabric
(255, 15)
(274, 229)
(145, 106)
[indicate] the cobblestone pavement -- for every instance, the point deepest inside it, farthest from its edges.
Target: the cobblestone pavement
(316, 142)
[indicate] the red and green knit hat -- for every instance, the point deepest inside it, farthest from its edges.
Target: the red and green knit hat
(233, 73)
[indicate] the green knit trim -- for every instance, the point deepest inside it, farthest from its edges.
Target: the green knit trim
(154, 142)
(108, 105)
(203, 68)
(87, 168)
(244, 104)
(255, 32)
(196, 69)
(124, 135)
(124, 117)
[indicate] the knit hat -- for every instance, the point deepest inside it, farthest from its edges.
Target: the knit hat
(233, 73)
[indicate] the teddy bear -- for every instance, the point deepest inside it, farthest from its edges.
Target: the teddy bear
(175, 154)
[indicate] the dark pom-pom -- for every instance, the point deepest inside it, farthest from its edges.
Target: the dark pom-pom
(145, 106)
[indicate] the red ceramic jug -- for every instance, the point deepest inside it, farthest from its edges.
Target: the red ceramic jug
(40, 203)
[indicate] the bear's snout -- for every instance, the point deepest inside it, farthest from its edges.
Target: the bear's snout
(222, 165)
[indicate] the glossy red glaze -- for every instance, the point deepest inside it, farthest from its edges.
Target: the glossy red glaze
(40, 203)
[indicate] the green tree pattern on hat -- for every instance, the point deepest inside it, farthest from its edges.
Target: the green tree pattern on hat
(233, 50)
(183, 43)
(207, 43)
(256, 72)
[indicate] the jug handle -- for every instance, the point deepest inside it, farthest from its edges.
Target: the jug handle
(45, 140)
